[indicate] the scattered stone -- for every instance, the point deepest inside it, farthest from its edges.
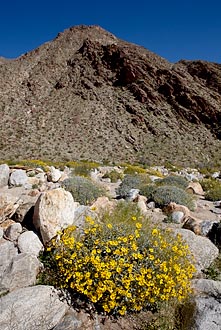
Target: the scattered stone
(31, 308)
(1, 232)
(177, 217)
(13, 231)
(215, 175)
(103, 204)
(54, 174)
(4, 175)
(8, 252)
(195, 188)
(8, 205)
(141, 203)
(54, 211)
(18, 178)
(132, 194)
(199, 227)
(28, 242)
(21, 272)
(151, 205)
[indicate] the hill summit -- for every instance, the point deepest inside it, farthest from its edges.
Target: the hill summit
(89, 95)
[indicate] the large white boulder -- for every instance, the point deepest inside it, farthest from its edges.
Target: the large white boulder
(54, 211)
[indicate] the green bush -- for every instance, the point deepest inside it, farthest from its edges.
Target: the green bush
(119, 269)
(213, 194)
(130, 181)
(163, 195)
(212, 188)
(83, 190)
(113, 175)
(173, 180)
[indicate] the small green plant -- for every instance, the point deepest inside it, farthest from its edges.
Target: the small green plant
(118, 268)
(132, 181)
(83, 189)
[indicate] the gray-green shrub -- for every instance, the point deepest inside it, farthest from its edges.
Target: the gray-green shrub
(83, 190)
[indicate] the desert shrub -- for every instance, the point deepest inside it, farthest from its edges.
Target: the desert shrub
(212, 188)
(133, 169)
(148, 191)
(163, 195)
(82, 168)
(130, 181)
(113, 175)
(118, 268)
(173, 180)
(82, 189)
(213, 194)
(209, 183)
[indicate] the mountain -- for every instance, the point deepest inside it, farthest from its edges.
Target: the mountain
(89, 95)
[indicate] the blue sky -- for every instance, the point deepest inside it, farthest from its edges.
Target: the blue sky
(175, 30)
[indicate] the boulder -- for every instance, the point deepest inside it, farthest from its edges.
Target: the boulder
(132, 194)
(18, 178)
(198, 226)
(8, 205)
(177, 217)
(54, 174)
(8, 252)
(205, 313)
(21, 272)
(4, 175)
(13, 231)
(53, 211)
(26, 205)
(103, 204)
(203, 250)
(195, 188)
(31, 308)
(141, 204)
(28, 242)
(1, 232)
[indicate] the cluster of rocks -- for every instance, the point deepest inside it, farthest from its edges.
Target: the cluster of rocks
(34, 206)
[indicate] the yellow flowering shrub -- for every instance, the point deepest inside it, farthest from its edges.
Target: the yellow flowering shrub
(117, 270)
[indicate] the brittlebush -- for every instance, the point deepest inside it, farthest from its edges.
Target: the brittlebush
(121, 272)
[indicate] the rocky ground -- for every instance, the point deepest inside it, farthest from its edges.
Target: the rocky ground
(33, 207)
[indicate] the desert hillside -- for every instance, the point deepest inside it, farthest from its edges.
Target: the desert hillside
(89, 95)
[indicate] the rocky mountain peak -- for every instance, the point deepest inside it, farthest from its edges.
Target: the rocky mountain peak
(89, 95)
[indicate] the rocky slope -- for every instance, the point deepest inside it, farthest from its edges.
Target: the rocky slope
(89, 95)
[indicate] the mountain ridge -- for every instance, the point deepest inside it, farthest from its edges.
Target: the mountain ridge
(89, 95)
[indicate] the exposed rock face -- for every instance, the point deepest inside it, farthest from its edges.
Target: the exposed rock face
(31, 308)
(53, 211)
(119, 102)
(18, 178)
